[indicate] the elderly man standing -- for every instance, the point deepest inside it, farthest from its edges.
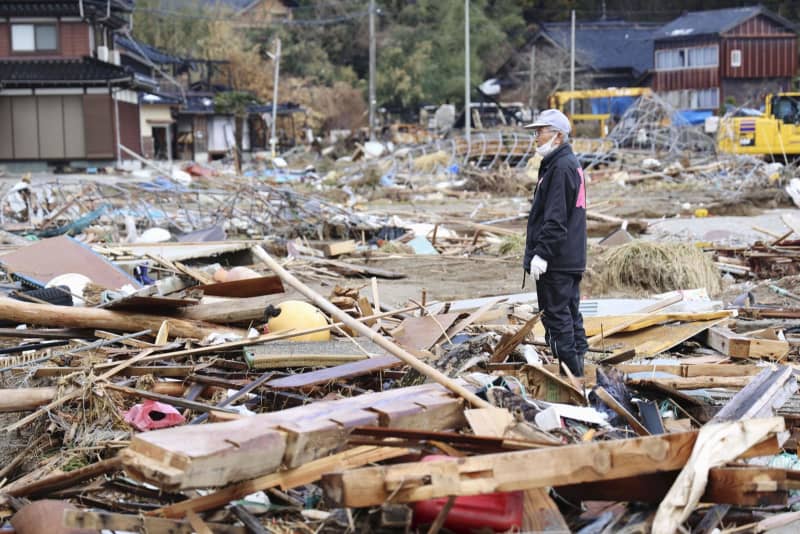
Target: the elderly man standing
(555, 247)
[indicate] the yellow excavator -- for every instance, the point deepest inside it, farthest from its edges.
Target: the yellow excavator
(774, 133)
(583, 100)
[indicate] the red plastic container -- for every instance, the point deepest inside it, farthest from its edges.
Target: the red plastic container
(497, 511)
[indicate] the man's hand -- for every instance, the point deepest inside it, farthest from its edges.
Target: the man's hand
(538, 267)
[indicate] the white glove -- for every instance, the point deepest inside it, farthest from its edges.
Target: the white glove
(538, 267)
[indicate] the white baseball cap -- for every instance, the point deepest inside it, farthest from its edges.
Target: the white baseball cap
(552, 118)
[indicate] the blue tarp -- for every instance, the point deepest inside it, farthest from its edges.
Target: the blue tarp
(690, 117)
(615, 105)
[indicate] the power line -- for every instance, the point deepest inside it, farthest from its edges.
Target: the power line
(243, 23)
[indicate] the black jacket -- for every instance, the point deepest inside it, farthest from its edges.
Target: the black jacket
(557, 221)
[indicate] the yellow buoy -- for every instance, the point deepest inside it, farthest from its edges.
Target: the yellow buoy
(298, 315)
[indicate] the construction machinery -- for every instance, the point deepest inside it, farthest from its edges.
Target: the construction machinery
(604, 106)
(776, 132)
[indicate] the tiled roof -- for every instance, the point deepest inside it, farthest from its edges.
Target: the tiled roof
(65, 8)
(80, 72)
(607, 45)
(153, 54)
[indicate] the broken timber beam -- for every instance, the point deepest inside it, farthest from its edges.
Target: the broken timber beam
(362, 329)
(765, 393)
(135, 523)
(200, 456)
(731, 344)
(571, 464)
(72, 317)
(305, 474)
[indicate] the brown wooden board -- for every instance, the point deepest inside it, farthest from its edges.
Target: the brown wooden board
(743, 486)
(347, 370)
(421, 333)
(48, 258)
(474, 475)
(252, 287)
(216, 454)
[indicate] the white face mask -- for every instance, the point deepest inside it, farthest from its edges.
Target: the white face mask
(548, 147)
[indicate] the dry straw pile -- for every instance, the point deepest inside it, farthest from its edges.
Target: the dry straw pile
(656, 267)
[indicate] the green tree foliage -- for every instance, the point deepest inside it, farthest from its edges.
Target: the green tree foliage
(420, 42)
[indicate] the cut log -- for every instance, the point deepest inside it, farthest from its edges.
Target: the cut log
(736, 346)
(24, 399)
(136, 523)
(231, 310)
(571, 464)
(71, 317)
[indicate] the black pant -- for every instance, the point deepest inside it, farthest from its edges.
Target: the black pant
(559, 297)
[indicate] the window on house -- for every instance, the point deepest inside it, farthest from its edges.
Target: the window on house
(736, 58)
(33, 37)
(685, 58)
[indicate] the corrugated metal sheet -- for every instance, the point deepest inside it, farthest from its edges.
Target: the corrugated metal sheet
(673, 80)
(759, 25)
(761, 57)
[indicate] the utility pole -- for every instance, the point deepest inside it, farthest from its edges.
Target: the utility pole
(276, 57)
(572, 66)
(467, 103)
(531, 74)
(371, 70)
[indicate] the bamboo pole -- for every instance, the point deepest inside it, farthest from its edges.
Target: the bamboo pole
(362, 329)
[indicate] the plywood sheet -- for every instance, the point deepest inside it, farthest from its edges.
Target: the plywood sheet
(657, 339)
(252, 287)
(421, 333)
(49, 258)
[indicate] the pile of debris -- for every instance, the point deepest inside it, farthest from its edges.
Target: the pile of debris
(154, 395)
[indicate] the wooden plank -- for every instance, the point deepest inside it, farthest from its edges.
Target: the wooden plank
(629, 323)
(220, 453)
(474, 316)
(762, 396)
(415, 363)
(331, 374)
(540, 513)
(654, 340)
(305, 474)
(570, 464)
(138, 523)
(63, 480)
(717, 444)
(504, 347)
(251, 287)
(736, 346)
(612, 403)
(742, 486)
(698, 382)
